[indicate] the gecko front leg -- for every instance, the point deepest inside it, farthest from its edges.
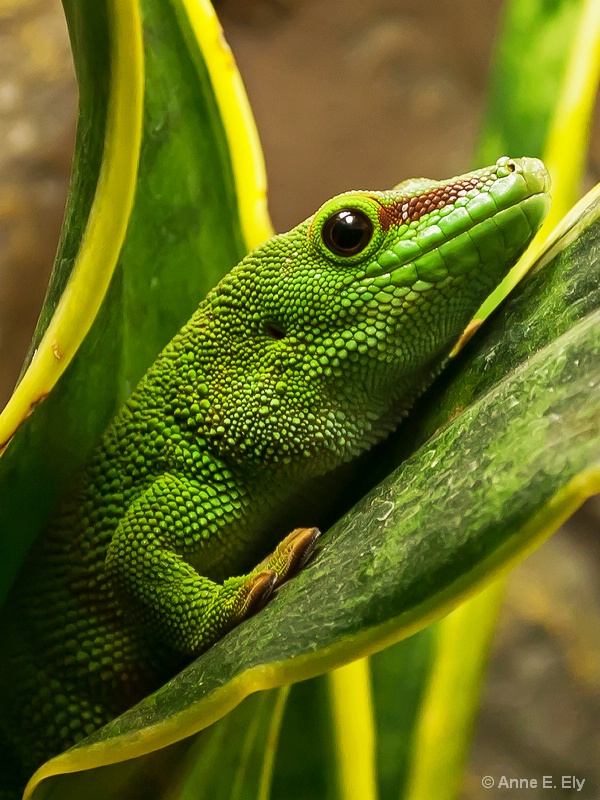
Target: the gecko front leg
(148, 561)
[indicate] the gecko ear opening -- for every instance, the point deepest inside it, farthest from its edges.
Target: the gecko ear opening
(273, 330)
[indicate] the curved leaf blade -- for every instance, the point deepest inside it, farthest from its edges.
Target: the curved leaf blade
(40, 433)
(530, 52)
(566, 148)
(563, 56)
(232, 760)
(208, 47)
(307, 729)
(401, 674)
(105, 226)
(354, 730)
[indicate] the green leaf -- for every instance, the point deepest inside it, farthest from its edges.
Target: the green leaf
(232, 760)
(470, 502)
(441, 734)
(528, 68)
(400, 677)
(354, 730)
(554, 47)
(140, 248)
(305, 765)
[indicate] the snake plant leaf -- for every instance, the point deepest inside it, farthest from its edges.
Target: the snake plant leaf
(168, 192)
(400, 678)
(307, 728)
(231, 760)
(330, 720)
(465, 506)
(530, 51)
(556, 48)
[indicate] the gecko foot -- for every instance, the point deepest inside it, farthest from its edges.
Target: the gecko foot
(286, 560)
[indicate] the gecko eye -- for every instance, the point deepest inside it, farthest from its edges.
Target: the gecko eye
(347, 232)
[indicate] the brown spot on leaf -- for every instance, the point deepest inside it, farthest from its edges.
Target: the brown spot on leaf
(28, 413)
(468, 332)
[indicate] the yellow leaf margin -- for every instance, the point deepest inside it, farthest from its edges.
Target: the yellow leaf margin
(238, 121)
(106, 226)
(113, 201)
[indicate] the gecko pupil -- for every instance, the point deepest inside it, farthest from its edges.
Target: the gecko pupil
(347, 232)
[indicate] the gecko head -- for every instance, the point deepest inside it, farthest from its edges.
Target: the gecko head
(421, 258)
(363, 300)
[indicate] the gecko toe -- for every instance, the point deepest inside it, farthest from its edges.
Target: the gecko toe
(297, 551)
(260, 592)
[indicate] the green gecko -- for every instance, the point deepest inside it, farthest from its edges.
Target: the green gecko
(306, 354)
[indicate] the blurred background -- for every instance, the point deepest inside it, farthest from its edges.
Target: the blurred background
(352, 95)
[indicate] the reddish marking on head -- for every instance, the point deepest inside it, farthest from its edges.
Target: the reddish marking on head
(410, 209)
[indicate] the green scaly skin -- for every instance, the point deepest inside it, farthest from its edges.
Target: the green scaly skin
(299, 360)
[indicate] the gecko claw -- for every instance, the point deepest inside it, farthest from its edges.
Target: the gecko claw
(294, 552)
(304, 547)
(260, 592)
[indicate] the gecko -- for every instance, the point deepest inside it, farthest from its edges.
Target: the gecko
(305, 355)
